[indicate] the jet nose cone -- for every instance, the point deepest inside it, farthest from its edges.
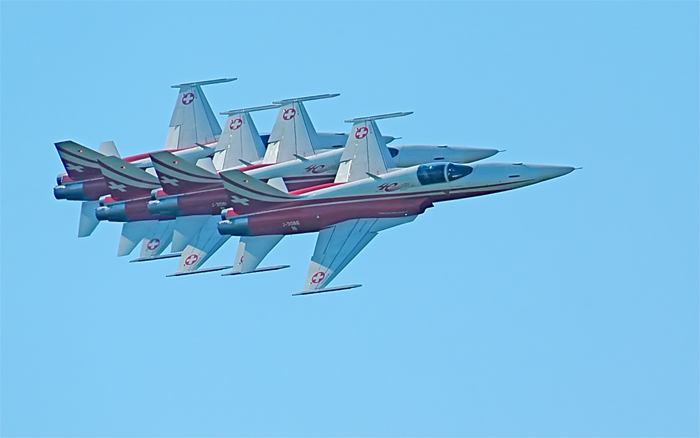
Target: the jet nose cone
(549, 172)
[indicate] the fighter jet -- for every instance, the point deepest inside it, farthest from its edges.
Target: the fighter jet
(369, 194)
(292, 161)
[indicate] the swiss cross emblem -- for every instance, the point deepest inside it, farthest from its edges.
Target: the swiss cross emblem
(153, 244)
(168, 180)
(187, 98)
(289, 114)
(236, 200)
(191, 259)
(115, 186)
(318, 277)
(235, 124)
(361, 133)
(78, 168)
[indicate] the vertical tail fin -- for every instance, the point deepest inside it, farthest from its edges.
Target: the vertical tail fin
(193, 120)
(240, 141)
(365, 152)
(293, 134)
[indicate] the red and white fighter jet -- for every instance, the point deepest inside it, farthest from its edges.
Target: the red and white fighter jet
(369, 194)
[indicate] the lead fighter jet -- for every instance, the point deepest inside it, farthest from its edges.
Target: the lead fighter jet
(369, 194)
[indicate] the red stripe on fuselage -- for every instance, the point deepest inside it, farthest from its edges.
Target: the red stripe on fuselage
(306, 220)
(254, 166)
(314, 188)
(433, 195)
(138, 157)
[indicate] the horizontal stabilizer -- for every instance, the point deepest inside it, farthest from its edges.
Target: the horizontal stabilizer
(200, 83)
(278, 183)
(109, 149)
(265, 269)
(327, 289)
(199, 271)
(207, 164)
(186, 228)
(158, 257)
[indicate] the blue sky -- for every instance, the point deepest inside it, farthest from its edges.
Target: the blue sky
(568, 308)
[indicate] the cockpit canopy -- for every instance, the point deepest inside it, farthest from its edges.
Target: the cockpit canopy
(441, 172)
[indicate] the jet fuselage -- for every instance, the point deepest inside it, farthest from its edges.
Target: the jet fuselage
(401, 193)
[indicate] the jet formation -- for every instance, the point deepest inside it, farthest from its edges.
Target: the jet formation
(208, 184)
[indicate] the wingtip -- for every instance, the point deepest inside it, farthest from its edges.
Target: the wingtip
(326, 289)
(265, 269)
(306, 98)
(379, 117)
(198, 271)
(200, 83)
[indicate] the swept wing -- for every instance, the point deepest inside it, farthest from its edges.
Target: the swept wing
(336, 246)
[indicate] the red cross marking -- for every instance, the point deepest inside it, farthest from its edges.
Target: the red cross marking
(153, 244)
(187, 98)
(318, 277)
(289, 114)
(191, 259)
(235, 124)
(361, 133)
